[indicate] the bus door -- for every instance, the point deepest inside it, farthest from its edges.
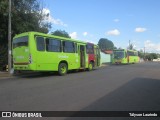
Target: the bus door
(82, 56)
(126, 57)
(97, 56)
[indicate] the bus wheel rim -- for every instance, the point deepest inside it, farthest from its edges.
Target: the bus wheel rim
(90, 66)
(63, 69)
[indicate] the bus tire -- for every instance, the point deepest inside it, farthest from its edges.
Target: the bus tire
(90, 66)
(62, 69)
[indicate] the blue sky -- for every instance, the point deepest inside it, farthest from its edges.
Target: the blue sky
(116, 20)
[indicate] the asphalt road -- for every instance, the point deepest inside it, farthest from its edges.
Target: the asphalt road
(132, 87)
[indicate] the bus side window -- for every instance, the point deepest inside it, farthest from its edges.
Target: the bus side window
(90, 49)
(53, 45)
(136, 53)
(128, 53)
(75, 47)
(68, 47)
(40, 43)
(125, 54)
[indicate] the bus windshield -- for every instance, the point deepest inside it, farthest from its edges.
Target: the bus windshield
(118, 54)
(22, 41)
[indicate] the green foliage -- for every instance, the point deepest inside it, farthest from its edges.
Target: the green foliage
(26, 16)
(105, 44)
(158, 55)
(61, 33)
(29, 17)
(130, 47)
(114, 47)
(140, 54)
(3, 55)
(151, 56)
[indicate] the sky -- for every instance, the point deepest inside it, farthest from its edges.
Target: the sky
(120, 21)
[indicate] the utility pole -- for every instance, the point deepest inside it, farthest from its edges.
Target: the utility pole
(144, 53)
(129, 44)
(9, 38)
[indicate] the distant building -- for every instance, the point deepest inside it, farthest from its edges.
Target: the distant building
(106, 56)
(158, 59)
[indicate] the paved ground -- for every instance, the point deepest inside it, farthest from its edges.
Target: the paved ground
(6, 74)
(112, 88)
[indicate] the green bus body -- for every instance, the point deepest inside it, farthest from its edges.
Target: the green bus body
(123, 56)
(43, 52)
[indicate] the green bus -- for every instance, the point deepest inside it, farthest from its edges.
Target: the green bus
(123, 56)
(34, 51)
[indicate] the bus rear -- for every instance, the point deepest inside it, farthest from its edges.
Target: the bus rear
(22, 58)
(35, 51)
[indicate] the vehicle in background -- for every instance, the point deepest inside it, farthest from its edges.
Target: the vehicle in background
(34, 51)
(123, 56)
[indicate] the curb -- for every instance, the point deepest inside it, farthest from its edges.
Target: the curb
(105, 64)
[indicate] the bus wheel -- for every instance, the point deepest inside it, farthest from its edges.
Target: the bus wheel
(62, 69)
(90, 66)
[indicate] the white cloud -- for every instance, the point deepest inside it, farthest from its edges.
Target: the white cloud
(140, 29)
(85, 33)
(45, 11)
(114, 32)
(152, 47)
(73, 35)
(52, 19)
(90, 41)
(116, 20)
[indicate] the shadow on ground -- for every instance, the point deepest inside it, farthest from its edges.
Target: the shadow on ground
(46, 74)
(140, 94)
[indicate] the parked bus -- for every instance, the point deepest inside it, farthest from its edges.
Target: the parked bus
(123, 56)
(36, 51)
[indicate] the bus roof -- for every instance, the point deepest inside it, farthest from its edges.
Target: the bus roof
(118, 49)
(48, 35)
(124, 50)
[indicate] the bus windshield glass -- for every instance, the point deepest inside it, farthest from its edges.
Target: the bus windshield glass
(118, 54)
(21, 41)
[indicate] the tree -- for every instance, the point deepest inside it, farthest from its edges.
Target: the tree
(151, 56)
(141, 53)
(114, 47)
(29, 17)
(61, 33)
(105, 44)
(154, 56)
(130, 47)
(26, 16)
(3, 56)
